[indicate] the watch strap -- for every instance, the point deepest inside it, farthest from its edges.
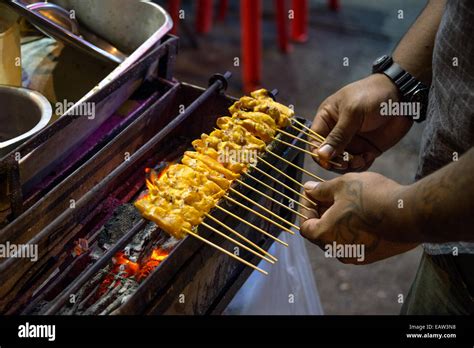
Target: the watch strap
(404, 81)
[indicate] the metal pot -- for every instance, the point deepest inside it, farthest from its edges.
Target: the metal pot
(23, 113)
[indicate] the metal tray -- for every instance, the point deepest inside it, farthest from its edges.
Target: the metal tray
(139, 33)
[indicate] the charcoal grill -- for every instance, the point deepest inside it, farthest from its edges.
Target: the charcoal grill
(97, 187)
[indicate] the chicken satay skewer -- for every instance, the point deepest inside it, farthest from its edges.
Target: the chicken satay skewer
(252, 225)
(236, 242)
(195, 235)
(231, 230)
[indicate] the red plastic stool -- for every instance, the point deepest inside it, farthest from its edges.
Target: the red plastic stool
(299, 24)
(222, 10)
(204, 16)
(173, 7)
(251, 41)
(281, 10)
(334, 5)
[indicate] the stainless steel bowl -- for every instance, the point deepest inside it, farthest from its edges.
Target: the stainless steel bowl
(23, 113)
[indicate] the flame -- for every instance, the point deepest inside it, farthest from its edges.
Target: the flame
(153, 176)
(123, 264)
(156, 257)
(150, 185)
(126, 268)
(162, 172)
(159, 255)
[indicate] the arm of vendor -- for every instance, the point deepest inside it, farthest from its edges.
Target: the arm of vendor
(367, 208)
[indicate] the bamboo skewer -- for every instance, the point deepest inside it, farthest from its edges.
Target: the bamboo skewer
(195, 235)
(301, 124)
(295, 166)
(272, 199)
(286, 229)
(312, 133)
(264, 209)
(237, 242)
(282, 184)
(231, 230)
(312, 154)
(259, 215)
(280, 172)
(281, 193)
(252, 225)
(286, 175)
(318, 146)
(299, 148)
(309, 135)
(296, 137)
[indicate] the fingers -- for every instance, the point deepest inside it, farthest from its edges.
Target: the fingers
(340, 136)
(321, 191)
(316, 230)
(338, 125)
(310, 229)
(323, 122)
(309, 213)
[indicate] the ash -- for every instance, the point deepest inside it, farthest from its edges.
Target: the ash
(113, 285)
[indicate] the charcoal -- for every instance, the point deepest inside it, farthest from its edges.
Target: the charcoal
(123, 219)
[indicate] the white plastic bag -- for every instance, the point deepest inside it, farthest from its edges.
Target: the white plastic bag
(289, 288)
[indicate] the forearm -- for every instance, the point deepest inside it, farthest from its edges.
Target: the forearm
(440, 207)
(414, 52)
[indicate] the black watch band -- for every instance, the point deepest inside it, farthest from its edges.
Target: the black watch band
(403, 80)
(410, 89)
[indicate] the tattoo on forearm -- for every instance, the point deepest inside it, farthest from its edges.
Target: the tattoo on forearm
(444, 200)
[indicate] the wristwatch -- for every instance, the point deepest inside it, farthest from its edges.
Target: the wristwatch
(411, 90)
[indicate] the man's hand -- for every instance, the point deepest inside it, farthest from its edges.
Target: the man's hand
(350, 120)
(354, 209)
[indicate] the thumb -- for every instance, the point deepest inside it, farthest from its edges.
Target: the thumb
(310, 230)
(321, 191)
(340, 136)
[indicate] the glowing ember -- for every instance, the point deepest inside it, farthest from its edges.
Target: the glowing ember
(157, 256)
(124, 268)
